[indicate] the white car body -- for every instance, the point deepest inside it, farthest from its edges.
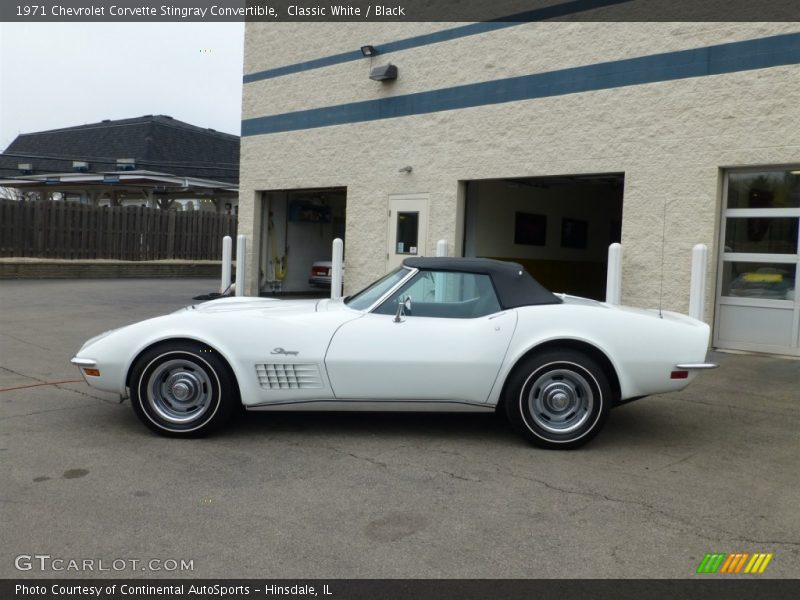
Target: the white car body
(325, 355)
(395, 366)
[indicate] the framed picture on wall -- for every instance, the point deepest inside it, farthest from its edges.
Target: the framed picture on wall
(574, 233)
(530, 229)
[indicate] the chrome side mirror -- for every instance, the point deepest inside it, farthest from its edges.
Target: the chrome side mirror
(403, 306)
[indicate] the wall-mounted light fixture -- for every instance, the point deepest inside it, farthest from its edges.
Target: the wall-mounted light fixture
(369, 50)
(387, 72)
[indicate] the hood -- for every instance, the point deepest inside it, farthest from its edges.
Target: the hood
(244, 303)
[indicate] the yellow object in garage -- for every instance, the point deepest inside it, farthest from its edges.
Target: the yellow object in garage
(763, 277)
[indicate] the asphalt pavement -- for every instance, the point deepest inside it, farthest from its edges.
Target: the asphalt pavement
(313, 495)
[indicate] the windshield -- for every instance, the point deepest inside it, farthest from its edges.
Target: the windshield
(370, 294)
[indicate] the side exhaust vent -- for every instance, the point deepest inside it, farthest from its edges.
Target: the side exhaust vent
(288, 376)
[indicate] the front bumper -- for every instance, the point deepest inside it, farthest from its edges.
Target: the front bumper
(83, 362)
(107, 377)
(83, 365)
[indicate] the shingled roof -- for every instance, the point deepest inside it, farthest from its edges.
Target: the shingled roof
(157, 143)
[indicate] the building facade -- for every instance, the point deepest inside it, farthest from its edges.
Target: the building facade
(536, 142)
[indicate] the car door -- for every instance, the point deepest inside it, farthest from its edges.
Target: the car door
(449, 347)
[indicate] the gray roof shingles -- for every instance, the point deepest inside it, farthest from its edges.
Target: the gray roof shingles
(157, 142)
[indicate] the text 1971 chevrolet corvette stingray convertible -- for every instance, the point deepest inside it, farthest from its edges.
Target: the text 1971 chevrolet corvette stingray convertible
(448, 334)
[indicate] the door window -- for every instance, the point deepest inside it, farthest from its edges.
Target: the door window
(764, 189)
(371, 294)
(407, 227)
(407, 232)
(761, 235)
(445, 294)
(758, 280)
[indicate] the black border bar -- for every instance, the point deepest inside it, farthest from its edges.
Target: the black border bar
(273, 11)
(702, 587)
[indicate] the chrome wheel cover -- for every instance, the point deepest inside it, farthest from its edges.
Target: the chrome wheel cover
(179, 391)
(560, 401)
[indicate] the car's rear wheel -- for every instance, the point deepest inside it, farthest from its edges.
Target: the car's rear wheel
(182, 389)
(558, 399)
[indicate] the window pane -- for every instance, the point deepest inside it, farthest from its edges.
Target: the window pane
(765, 189)
(762, 235)
(774, 281)
(446, 295)
(407, 231)
(369, 295)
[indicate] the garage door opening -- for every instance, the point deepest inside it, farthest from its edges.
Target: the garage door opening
(558, 228)
(297, 230)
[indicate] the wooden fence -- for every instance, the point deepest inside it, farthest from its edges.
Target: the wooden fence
(70, 230)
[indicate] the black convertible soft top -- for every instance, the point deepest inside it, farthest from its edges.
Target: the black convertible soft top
(514, 286)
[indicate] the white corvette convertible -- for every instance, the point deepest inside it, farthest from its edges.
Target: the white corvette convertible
(442, 334)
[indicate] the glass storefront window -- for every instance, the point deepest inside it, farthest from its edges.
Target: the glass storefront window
(763, 235)
(757, 295)
(772, 281)
(764, 189)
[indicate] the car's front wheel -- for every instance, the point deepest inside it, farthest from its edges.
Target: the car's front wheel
(558, 399)
(182, 389)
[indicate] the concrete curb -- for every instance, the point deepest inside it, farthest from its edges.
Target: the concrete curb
(105, 269)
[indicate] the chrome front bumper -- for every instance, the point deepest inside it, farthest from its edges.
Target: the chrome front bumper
(83, 362)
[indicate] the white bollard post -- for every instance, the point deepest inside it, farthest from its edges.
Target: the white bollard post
(697, 291)
(336, 268)
(614, 274)
(441, 248)
(227, 252)
(241, 248)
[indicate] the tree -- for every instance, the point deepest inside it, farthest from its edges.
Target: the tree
(11, 193)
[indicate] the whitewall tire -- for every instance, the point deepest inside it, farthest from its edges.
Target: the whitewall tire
(558, 399)
(182, 389)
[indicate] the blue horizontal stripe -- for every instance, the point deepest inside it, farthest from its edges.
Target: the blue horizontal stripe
(541, 14)
(713, 60)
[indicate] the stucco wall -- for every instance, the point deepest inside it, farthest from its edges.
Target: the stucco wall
(670, 139)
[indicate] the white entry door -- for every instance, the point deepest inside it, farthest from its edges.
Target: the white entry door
(408, 227)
